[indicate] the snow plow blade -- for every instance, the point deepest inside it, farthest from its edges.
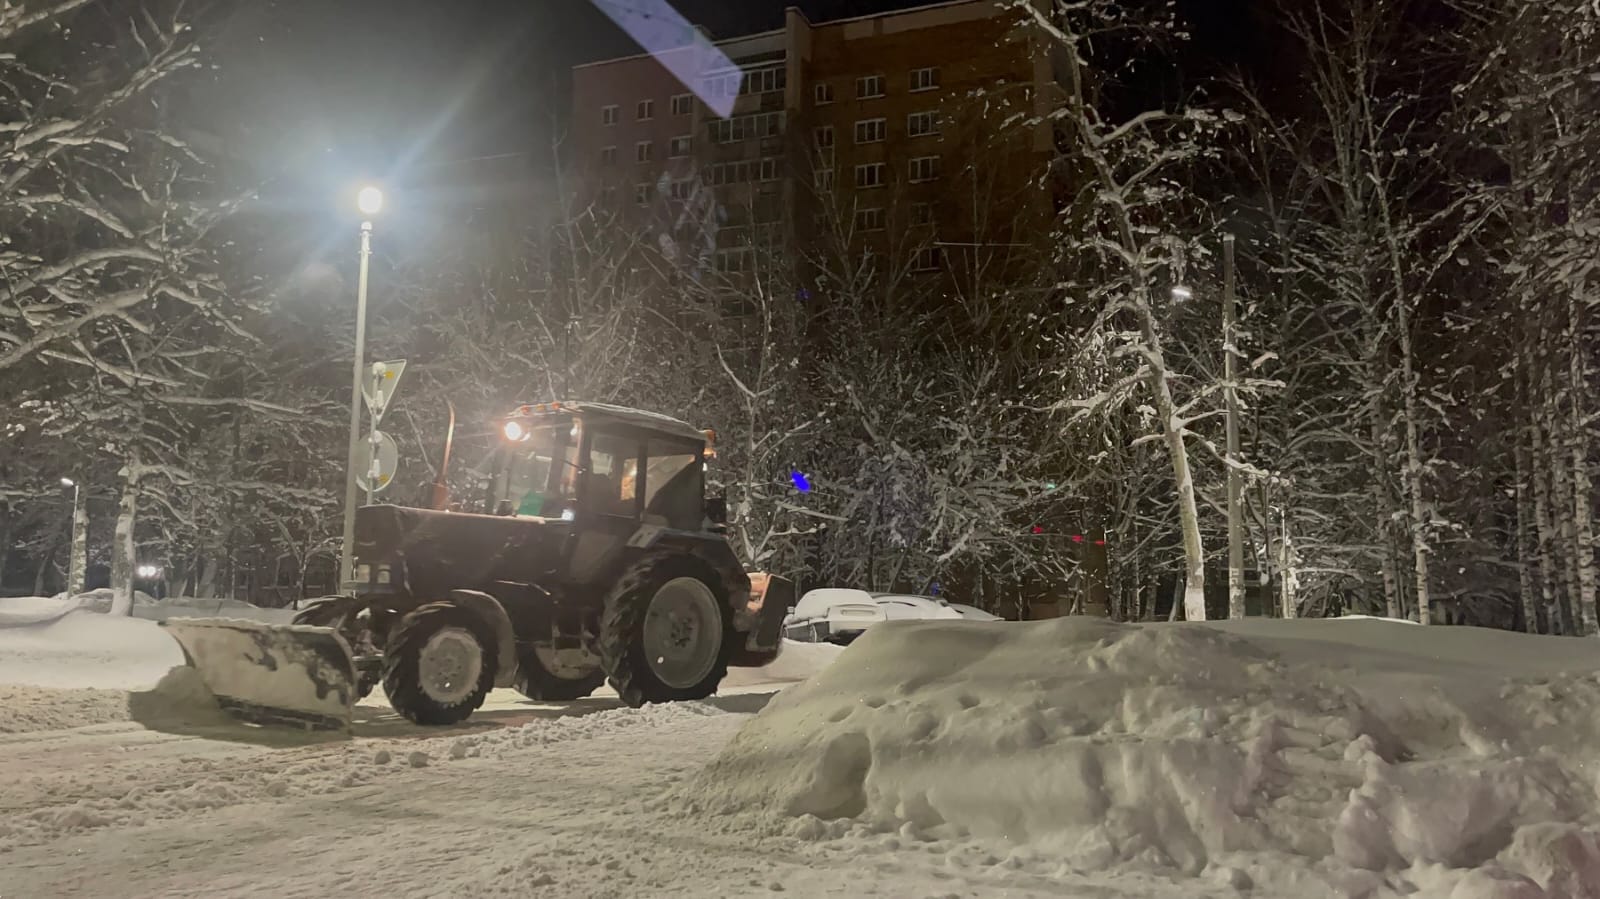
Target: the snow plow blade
(292, 675)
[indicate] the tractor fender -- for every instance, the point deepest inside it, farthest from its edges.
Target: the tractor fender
(344, 604)
(494, 615)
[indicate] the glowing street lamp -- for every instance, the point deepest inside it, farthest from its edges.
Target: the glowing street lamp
(369, 200)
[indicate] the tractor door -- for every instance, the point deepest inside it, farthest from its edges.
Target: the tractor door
(674, 483)
(610, 500)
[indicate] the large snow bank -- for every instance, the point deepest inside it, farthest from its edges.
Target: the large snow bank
(87, 649)
(150, 608)
(796, 662)
(20, 611)
(64, 642)
(1332, 758)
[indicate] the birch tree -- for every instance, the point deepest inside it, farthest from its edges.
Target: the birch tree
(1122, 221)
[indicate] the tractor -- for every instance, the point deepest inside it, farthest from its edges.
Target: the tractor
(591, 555)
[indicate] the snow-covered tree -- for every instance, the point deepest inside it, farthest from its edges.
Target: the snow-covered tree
(110, 266)
(1121, 238)
(1529, 81)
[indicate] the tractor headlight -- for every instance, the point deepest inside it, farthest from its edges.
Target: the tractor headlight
(385, 575)
(514, 431)
(363, 572)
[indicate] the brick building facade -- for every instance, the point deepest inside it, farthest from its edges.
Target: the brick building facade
(907, 135)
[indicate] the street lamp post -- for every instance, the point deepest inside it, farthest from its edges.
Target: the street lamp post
(369, 201)
(76, 562)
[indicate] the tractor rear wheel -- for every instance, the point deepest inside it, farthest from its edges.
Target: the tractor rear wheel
(538, 680)
(440, 664)
(666, 634)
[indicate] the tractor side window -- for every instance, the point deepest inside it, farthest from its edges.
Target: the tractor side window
(612, 486)
(542, 477)
(674, 485)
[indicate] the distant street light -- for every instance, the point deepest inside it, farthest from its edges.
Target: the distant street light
(77, 538)
(1182, 293)
(370, 201)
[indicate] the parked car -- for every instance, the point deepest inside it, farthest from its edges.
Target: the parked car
(836, 615)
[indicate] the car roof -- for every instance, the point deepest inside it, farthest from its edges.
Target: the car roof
(934, 599)
(641, 418)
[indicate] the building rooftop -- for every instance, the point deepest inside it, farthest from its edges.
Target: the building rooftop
(731, 42)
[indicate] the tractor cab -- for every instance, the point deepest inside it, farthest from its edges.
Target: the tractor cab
(591, 462)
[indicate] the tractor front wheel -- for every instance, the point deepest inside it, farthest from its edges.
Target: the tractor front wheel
(439, 664)
(665, 635)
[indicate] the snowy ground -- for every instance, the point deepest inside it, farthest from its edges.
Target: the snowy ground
(1067, 758)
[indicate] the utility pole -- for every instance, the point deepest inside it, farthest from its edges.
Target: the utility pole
(1230, 373)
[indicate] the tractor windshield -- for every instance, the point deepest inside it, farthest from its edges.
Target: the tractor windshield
(542, 477)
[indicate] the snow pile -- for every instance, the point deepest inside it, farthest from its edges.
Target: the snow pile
(503, 742)
(796, 662)
(1337, 758)
(22, 611)
(65, 643)
(86, 649)
(31, 709)
(148, 607)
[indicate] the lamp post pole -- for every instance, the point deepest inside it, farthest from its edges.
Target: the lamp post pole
(347, 552)
(79, 538)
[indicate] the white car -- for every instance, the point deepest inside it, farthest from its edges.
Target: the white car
(834, 615)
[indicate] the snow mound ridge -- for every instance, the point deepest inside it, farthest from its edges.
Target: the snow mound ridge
(31, 709)
(1453, 759)
(140, 790)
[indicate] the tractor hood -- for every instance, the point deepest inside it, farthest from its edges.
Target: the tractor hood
(434, 552)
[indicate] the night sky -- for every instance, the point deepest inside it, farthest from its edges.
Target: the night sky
(455, 104)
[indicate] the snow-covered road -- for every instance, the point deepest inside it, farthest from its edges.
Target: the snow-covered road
(528, 800)
(1083, 758)
(111, 788)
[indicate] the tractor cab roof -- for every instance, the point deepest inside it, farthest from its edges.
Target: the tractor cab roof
(639, 418)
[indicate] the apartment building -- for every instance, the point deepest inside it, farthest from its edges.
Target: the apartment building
(911, 135)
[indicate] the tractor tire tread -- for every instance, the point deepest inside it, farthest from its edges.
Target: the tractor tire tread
(400, 679)
(623, 620)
